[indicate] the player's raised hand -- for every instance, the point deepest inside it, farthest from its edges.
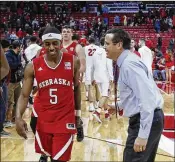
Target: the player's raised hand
(21, 128)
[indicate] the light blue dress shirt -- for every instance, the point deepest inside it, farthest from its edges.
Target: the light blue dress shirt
(138, 91)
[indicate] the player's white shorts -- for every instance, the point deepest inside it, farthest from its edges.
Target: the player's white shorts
(104, 88)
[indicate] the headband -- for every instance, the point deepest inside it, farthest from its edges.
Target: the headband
(51, 36)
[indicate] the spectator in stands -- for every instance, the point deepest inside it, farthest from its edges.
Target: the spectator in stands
(75, 38)
(170, 23)
(18, 24)
(20, 34)
(162, 13)
(105, 9)
(13, 37)
(157, 25)
(7, 36)
(148, 42)
(146, 54)
(105, 21)
(99, 29)
(35, 24)
(102, 34)
(32, 49)
(72, 22)
(117, 20)
(160, 69)
(45, 8)
(169, 62)
(14, 87)
(163, 25)
(135, 20)
(172, 44)
(132, 48)
(159, 41)
(158, 53)
(125, 20)
(26, 40)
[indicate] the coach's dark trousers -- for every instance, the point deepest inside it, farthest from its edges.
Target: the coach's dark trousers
(153, 141)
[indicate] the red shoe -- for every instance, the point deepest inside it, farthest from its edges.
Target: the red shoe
(107, 116)
(97, 116)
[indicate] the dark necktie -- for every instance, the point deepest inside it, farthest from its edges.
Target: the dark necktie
(116, 76)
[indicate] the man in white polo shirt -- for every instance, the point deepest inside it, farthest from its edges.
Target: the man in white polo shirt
(146, 54)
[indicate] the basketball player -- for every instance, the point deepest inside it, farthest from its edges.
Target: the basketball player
(132, 48)
(56, 76)
(103, 76)
(36, 105)
(89, 51)
(72, 47)
(146, 54)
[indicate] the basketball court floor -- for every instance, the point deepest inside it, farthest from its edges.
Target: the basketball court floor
(102, 142)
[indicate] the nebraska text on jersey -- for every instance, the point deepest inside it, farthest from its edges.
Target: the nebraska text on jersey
(54, 81)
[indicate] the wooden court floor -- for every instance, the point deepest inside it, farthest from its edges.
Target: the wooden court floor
(102, 142)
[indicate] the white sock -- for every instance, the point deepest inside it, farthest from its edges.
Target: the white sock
(91, 104)
(96, 103)
(86, 93)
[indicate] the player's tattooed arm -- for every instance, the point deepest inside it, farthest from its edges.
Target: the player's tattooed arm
(21, 125)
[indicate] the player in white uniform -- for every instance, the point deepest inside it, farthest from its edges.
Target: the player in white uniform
(89, 51)
(103, 76)
(146, 55)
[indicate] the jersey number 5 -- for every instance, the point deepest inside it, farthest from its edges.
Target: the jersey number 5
(54, 97)
(91, 52)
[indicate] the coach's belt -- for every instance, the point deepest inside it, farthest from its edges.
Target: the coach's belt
(138, 114)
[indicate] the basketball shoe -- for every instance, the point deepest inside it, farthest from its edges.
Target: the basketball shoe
(43, 158)
(97, 116)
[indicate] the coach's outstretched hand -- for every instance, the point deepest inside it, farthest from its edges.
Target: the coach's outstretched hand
(21, 128)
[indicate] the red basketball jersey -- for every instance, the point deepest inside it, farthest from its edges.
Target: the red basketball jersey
(71, 48)
(56, 95)
(36, 106)
(36, 103)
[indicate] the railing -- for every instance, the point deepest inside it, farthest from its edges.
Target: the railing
(159, 5)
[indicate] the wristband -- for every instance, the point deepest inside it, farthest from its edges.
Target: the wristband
(78, 113)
